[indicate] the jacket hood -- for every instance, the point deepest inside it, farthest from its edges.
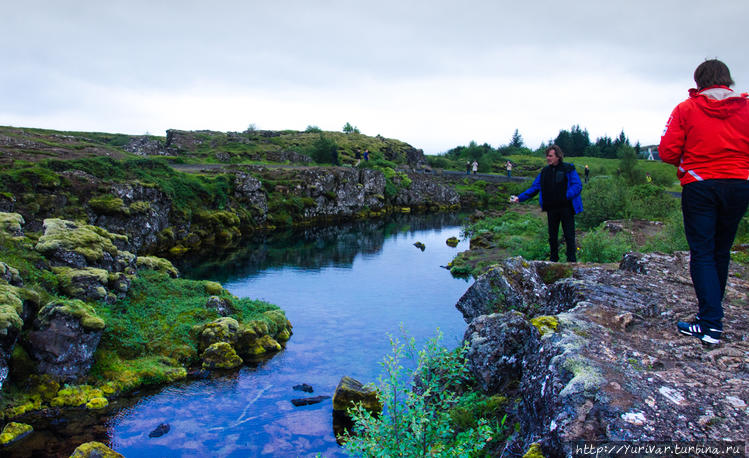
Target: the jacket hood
(718, 101)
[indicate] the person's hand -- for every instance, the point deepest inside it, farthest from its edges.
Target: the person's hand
(514, 199)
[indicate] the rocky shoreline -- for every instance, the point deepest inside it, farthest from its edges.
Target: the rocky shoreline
(591, 354)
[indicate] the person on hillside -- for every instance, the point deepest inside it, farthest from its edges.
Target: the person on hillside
(707, 138)
(587, 173)
(560, 188)
(366, 155)
(468, 167)
(475, 167)
(648, 178)
(508, 166)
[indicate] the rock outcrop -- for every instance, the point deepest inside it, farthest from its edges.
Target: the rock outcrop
(63, 339)
(610, 365)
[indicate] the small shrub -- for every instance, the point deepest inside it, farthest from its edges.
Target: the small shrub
(599, 245)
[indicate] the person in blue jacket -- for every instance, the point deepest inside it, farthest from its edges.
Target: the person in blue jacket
(560, 189)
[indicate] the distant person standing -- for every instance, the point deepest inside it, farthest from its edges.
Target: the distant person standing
(475, 167)
(560, 188)
(366, 155)
(508, 166)
(648, 178)
(468, 167)
(707, 138)
(587, 173)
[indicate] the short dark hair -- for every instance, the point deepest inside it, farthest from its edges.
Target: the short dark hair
(712, 73)
(557, 150)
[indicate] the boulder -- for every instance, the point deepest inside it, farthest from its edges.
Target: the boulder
(309, 401)
(64, 337)
(452, 242)
(10, 274)
(11, 323)
(14, 432)
(498, 346)
(94, 450)
(160, 430)
(220, 305)
(220, 355)
(11, 223)
(70, 244)
(350, 392)
(145, 145)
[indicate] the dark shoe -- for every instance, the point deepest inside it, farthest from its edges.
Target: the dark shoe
(709, 336)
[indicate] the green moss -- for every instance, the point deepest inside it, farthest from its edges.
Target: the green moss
(585, 376)
(11, 223)
(90, 241)
(75, 396)
(212, 288)
(75, 308)
(534, 451)
(158, 264)
(13, 432)
(545, 324)
(108, 204)
(139, 206)
(97, 403)
(473, 407)
(452, 242)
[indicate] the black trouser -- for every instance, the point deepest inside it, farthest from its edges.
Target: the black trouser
(566, 216)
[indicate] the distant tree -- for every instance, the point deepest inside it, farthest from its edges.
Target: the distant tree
(312, 128)
(251, 128)
(517, 140)
(573, 142)
(349, 129)
(628, 165)
(325, 150)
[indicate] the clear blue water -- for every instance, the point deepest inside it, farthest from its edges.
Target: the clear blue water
(345, 290)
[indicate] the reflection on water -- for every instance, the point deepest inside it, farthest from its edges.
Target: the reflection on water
(345, 289)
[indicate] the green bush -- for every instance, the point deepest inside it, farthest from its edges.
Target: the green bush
(324, 150)
(416, 420)
(671, 238)
(599, 245)
(603, 199)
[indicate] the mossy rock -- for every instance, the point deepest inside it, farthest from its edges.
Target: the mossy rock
(75, 396)
(11, 308)
(265, 344)
(11, 223)
(44, 386)
(139, 206)
(283, 336)
(350, 392)
(220, 355)
(75, 308)
(11, 296)
(94, 450)
(545, 324)
(158, 264)
(277, 321)
(452, 242)
(81, 283)
(225, 329)
(213, 288)
(108, 204)
(10, 274)
(14, 432)
(89, 241)
(534, 451)
(97, 403)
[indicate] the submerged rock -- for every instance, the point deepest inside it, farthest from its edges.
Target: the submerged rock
(309, 401)
(452, 242)
(160, 430)
(303, 387)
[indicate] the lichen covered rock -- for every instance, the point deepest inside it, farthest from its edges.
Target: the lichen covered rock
(498, 345)
(10, 274)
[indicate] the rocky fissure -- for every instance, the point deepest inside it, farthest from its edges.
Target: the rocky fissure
(604, 361)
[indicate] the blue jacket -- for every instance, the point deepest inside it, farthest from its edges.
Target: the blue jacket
(574, 188)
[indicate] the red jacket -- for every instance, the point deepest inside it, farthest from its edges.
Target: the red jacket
(707, 136)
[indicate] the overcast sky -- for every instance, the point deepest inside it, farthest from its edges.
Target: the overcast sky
(435, 74)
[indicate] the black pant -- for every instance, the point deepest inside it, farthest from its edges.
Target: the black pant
(712, 212)
(566, 216)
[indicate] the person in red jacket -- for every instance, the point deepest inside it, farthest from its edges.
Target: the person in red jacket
(707, 138)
